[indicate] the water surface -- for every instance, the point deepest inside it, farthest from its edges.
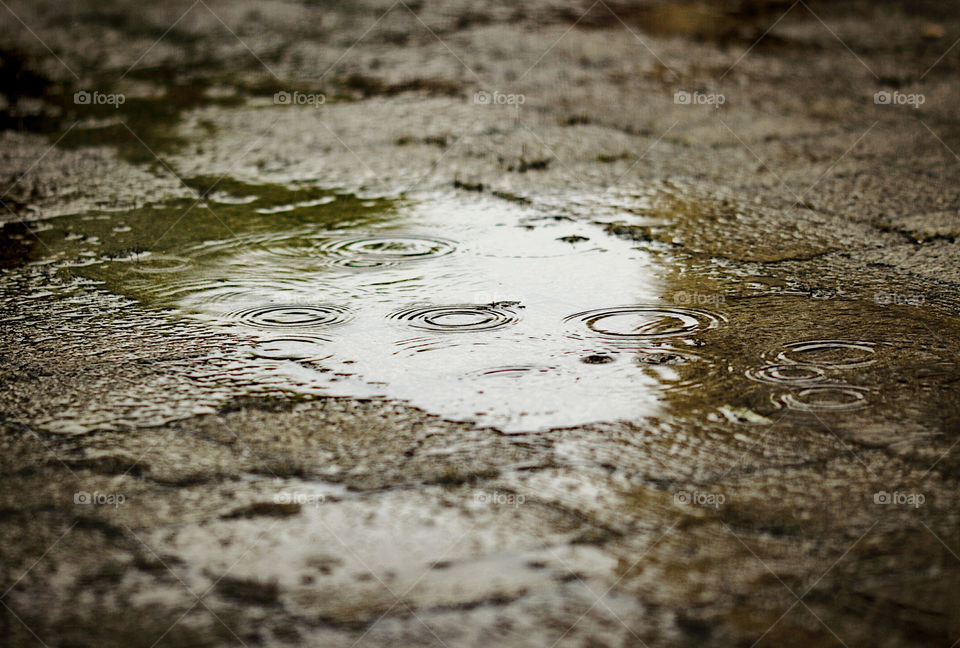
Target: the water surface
(470, 307)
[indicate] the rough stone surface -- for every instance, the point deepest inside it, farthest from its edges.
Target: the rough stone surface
(227, 515)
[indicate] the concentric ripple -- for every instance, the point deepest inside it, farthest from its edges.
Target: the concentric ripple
(291, 347)
(513, 371)
(158, 263)
(413, 346)
(292, 317)
(645, 322)
(793, 375)
(380, 251)
(456, 319)
(833, 354)
(834, 399)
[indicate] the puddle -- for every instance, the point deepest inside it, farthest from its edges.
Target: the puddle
(849, 364)
(459, 308)
(472, 309)
(483, 310)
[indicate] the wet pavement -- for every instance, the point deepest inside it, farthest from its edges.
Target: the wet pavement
(622, 324)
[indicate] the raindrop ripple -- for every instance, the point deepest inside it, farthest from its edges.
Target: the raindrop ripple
(645, 322)
(380, 251)
(457, 318)
(292, 317)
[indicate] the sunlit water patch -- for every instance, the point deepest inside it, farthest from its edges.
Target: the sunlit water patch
(464, 324)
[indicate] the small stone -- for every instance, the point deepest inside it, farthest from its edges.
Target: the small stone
(597, 359)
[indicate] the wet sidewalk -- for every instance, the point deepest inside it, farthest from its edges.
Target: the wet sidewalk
(379, 324)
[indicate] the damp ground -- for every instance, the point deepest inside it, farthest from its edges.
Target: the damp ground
(412, 368)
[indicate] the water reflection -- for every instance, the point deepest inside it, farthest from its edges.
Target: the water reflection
(480, 309)
(471, 308)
